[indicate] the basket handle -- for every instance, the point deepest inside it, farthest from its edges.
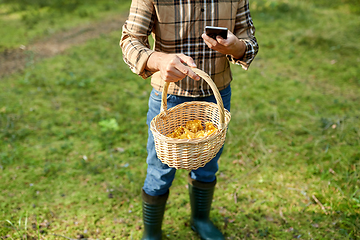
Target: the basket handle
(213, 87)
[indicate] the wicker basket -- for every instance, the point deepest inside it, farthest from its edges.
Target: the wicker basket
(189, 154)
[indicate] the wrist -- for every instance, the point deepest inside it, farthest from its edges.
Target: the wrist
(152, 63)
(239, 50)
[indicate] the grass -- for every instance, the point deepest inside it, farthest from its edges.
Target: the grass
(23, 22)
(72, 155)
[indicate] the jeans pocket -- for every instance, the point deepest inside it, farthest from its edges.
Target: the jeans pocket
(157, 95)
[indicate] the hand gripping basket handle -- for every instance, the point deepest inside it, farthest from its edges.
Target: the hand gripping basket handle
(213, 87)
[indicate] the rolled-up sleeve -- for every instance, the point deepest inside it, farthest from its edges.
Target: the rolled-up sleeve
(134, 40)
(245, 31)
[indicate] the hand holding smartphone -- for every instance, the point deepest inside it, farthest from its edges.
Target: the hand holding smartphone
(216, 31)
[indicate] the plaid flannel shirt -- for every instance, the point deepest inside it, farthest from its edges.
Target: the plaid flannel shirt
(176, 27)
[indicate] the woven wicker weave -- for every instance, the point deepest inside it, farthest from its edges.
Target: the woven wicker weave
(189, 154)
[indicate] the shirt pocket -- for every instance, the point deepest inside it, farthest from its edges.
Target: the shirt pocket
(227, 15)
(165, 14)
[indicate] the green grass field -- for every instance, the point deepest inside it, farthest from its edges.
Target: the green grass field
(73, 133)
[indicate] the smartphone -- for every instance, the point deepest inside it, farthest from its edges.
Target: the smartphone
(216, 31)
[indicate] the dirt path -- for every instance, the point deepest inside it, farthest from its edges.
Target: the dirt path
(14, 60)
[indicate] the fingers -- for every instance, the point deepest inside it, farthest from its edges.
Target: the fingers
(186, 59)
(210, 42)
(221, 41)
(215, 44)
(178, 73)
(172, 74)
(185, 69)
(224, 46)
(175, 69)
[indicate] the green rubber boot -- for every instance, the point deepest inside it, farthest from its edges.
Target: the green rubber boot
(201, 195)
(153, 213)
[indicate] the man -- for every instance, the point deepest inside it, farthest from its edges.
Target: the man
(180, 44)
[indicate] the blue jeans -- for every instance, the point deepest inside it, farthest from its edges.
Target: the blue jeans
(160, 176)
